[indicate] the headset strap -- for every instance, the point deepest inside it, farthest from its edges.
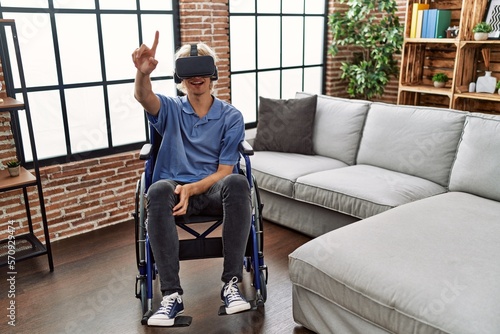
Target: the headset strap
(194, 50)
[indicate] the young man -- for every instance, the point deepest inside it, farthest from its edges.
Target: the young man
(194, 173)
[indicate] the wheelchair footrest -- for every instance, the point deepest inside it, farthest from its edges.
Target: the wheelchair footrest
(253, 307)
(180, 321)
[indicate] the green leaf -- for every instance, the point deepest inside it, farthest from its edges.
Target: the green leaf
(379, 36)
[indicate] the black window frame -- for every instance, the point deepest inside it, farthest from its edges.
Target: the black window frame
(281, 68)
(104, 83)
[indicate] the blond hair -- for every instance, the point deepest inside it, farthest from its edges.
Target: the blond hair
(203, 50)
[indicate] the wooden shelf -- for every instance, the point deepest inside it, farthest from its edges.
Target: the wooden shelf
(460, 58)
(27, 245)
(9, 104)
(432, 40)
(24, 179)
(426, 90)
(479, 96)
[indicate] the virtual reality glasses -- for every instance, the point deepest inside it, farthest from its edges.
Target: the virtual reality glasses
(195, 66)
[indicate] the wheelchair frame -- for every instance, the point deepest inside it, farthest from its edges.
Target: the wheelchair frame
(201, 246)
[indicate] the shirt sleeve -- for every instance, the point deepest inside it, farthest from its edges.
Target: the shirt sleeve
(235, 133)
(159, 122)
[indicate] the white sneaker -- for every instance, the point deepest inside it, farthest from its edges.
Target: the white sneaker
(171, 306)
(232, 298)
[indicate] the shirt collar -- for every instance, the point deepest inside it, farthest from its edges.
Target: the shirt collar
(215, 111)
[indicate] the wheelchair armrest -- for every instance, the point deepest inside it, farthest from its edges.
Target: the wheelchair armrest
(145, 153)
(245, 148)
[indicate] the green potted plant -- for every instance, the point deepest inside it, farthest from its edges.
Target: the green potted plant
(371, 29)
(14, 167)
(498, 86)
(481, 31)
(440, 79)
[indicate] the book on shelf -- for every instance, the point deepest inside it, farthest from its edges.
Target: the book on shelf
(414, 18)
(420, 17)
(431, 23)
(425, 19)
(443, 21)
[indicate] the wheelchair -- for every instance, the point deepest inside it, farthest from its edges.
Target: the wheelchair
(198, 245)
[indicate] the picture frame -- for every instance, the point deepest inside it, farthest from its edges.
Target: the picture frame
(492, 16)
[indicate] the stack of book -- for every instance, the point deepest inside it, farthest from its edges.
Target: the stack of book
(429, 23)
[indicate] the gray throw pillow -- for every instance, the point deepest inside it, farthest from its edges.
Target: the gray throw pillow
(286, 125)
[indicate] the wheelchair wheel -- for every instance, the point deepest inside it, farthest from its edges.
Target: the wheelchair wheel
(263, 285)
(140, 222)
(142, 292)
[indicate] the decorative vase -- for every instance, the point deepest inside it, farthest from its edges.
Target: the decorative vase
(472, 87)
(480, 36)
(486, 83)
(14, 171)
(439, 84)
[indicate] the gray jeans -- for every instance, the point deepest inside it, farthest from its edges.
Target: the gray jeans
(229, 196)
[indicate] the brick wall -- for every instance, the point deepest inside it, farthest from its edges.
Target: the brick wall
(89, 194)
(208, 22)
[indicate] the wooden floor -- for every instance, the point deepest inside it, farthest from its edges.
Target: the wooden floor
(92, 289)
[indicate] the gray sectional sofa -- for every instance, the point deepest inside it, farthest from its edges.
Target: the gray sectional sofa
(404, 205)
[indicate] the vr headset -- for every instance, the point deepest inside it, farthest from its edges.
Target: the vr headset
(195, 66)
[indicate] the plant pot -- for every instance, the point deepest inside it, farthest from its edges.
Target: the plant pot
(480, 36)
(439, 84)
(14, 171)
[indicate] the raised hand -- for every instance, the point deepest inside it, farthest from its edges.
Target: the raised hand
(144, 57)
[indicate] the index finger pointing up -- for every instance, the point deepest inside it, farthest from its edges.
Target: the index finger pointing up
(155, 43)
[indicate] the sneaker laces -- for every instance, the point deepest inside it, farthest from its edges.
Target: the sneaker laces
(167, 303)
(231, 291)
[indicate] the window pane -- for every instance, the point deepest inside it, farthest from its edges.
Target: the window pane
(243, 95)
(117, 4)
(314, 41)
(241, 6)
(242, 41)
(127, 118)
(46, 116)
(165, 87)
(37, 49)
(315, 7)
(269, 84)
(268, 42)
(79, 48)
(71, 4)
(292, 41)
(119, 45)
(268, 6)
(166, 48)
(25, 3)
(292, 83)
(312, 80)
(156, 5)
(86, 118)
(293, 6)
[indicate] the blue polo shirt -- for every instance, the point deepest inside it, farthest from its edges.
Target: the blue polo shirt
(192, 148)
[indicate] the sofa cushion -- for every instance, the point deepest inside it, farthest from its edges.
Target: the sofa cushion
(286, 125)
(337, 126)
(419, 141)
(430, 266)
(477, 167)
(362, 191)
(274, 174)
